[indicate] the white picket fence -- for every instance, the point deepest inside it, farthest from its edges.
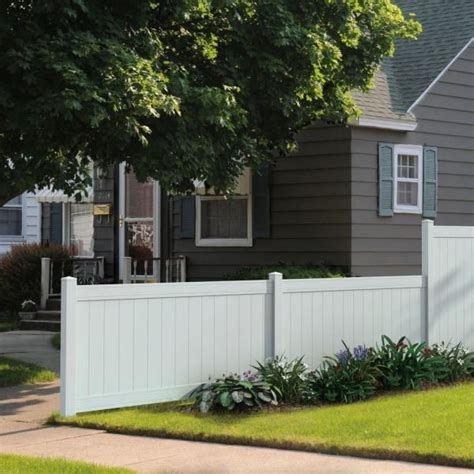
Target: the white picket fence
(124, 345)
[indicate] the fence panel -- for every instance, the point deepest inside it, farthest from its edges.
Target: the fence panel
(319, 313)
(138, 344)
(450, 268)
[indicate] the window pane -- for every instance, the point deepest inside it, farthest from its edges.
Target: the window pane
(82, 230)
(138, 197)
(10, 221)
(407, 194)
(139, 245)
(407, 166)
(224, 219)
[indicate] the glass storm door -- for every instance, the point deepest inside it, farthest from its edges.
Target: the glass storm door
(139, 205)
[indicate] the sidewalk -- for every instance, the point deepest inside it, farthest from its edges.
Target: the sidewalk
(24, 408)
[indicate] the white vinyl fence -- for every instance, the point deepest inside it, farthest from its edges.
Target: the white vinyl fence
(124, 345)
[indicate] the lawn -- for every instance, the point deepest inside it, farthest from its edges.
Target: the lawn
(13, 464)
(14, 372)
(430, 426)
(7, 326)
(56, 341)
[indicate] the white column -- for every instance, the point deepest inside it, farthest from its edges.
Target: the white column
(45, 278)
(68, 346)
(427, 236)
(278, 329)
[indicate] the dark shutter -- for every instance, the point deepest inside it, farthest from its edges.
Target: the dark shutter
(261, 203)
(430, 181)
(56, 229)
(187, 213)
(385, 179)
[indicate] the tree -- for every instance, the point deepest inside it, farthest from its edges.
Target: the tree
(177, 89)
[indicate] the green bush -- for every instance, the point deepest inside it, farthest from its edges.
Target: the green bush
(288, 272)
(289, 377)
(347, 377)
(457, 360)
(234, 392)
(20, 273)
(408, 365)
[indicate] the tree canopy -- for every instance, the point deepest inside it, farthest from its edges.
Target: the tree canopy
(176, 89)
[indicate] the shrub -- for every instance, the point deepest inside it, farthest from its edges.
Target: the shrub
(20, 273)
(346, 377)
(408, 365)
(234, 392)
(289, 377)
(288, 271)
(458, 362)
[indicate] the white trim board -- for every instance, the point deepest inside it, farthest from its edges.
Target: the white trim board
(438, 77)
(386, 123)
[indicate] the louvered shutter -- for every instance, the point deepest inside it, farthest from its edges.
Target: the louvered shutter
(430, 182)
(187, 216)
(386, 179)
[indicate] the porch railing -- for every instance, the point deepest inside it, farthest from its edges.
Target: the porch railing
(87, 270)
(152, 270)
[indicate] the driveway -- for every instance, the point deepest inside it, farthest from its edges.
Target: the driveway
(30, 346)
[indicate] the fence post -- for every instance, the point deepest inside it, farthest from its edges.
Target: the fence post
(68, 346)
(426, 268)
(45, 277)
(278, 332)
(127, 270)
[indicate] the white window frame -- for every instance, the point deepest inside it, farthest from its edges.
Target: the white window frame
(221, 242)
(408, 150)
(16, 237)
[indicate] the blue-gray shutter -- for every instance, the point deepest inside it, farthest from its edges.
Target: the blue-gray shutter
(56, 223)
(386, 179)
(187, 217)
(430, 181)
(261, 225)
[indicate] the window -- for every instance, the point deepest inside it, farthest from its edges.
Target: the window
(11, 217)
(225, 221)
(408, 181)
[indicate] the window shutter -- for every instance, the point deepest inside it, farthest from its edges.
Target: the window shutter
(430, 182)
(187, 213)
(261, 203)
(385, 179)
(56, 223)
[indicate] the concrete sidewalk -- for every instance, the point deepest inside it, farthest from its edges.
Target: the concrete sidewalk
(24, 408)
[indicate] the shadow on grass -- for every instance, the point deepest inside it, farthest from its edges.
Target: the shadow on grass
(14, 372)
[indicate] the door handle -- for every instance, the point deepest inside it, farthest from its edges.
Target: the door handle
(120, 221)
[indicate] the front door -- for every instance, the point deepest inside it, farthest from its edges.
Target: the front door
(139, 222)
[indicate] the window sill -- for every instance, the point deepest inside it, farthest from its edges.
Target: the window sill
(407, 211)
(224, 242)
(11, 238)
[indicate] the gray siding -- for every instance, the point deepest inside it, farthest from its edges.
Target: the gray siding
(392, 245)
(310, 212)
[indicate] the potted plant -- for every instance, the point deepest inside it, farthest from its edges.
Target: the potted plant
(28, 310)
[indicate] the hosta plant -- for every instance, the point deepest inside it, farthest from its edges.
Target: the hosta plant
(288, 376)
(408, 365)
(234, 391)
(347, 377)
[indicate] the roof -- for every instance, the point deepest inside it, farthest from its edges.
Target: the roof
(448, 25)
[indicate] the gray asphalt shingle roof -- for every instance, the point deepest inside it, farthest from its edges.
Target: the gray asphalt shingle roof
(448, 25)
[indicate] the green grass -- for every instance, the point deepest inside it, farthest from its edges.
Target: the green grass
(7, 326)
(14, 372)
(56, 341)
(13, 464)
(430, 426)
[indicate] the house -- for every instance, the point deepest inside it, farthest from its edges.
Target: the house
(351, 196)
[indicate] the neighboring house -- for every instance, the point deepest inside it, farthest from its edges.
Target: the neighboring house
(350, 196)
(20, 222)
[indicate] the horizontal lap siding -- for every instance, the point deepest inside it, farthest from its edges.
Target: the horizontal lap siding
(392, 245)
(310, 212)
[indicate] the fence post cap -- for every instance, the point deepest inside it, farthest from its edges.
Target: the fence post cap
(275, 276)
(427, 222)
(69, 278)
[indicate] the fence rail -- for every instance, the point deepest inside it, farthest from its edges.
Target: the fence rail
(126, 345)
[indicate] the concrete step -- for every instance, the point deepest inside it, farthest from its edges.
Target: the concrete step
(48, 315)
(53, 304)
(40, 325)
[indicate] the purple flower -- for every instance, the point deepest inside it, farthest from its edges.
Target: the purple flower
(343, 356)
(360, 352)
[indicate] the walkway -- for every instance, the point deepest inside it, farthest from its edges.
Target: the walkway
(23, 410)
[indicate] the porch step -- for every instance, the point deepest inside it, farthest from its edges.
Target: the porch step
(48, 315)
(40, 325)
(53, 304)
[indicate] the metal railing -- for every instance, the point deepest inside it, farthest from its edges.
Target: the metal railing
(87, 270)
(156, 269)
